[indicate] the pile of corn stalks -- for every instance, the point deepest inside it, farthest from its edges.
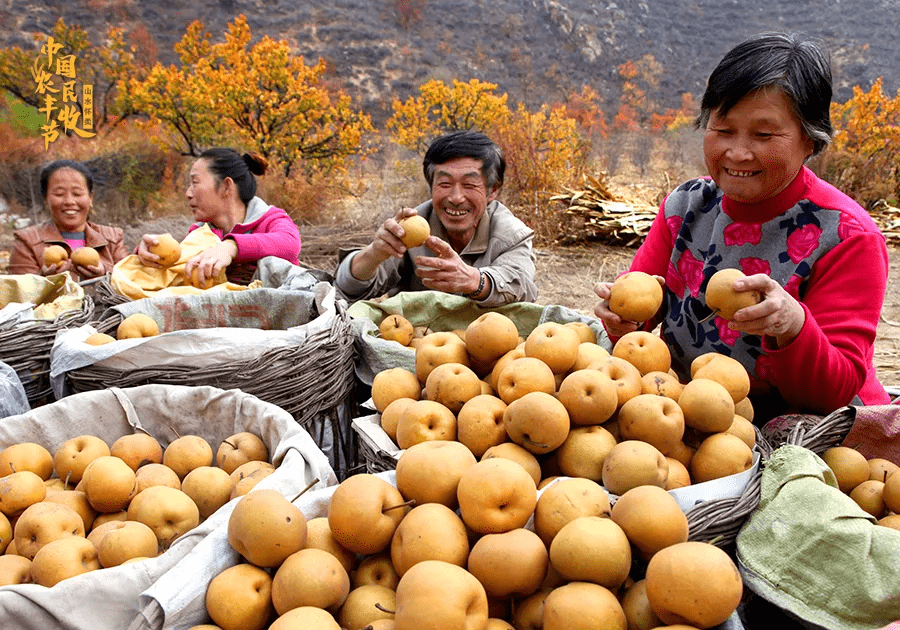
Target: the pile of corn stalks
(604, 218)
(887, 218)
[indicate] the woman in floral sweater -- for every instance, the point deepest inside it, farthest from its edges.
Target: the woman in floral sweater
(814, 254)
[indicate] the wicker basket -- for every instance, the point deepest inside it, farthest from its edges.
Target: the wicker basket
(817, 433)
(312, 381)
(26, 348)
(719, 521)
(105, 296)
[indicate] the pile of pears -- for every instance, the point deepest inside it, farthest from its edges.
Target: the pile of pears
(562, 405)
(90, 505)
(874, 484)
(463, 544)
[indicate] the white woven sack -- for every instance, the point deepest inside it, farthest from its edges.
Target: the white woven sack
(199, 346)
(111, 598)
(180, 602)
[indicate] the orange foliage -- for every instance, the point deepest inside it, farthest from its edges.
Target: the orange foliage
(440, 108)
(257, 96)
(864, 159)
(585, 109)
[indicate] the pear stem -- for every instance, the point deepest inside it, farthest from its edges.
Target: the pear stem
(383, 609)
(409, 503)
(538, 444)
(306, 489)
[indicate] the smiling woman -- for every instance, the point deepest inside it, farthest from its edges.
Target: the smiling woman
(814, 255)
(68, 191)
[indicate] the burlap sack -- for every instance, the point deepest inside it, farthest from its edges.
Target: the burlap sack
(111, 598)
(811, 550)
(440, 312)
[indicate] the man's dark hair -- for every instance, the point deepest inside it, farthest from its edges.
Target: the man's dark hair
(799, 68)
(471, 144)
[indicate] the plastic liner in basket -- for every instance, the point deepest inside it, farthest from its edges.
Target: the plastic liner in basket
(109, 599)
(13, 400)
(305, 366)
(26, 345)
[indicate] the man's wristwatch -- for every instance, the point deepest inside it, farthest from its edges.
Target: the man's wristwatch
(480, 288)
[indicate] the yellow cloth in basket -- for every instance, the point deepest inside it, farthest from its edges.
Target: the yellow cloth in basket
(135, 281)
(51, 295)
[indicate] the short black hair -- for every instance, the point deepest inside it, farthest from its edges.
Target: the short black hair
(471, 144)
(798, 67)
(51, 168)
(241, 169)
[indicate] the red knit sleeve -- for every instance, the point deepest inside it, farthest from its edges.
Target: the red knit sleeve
(827, 364)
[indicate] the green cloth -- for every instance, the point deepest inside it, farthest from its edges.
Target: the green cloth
(809, 549)
(441, 312)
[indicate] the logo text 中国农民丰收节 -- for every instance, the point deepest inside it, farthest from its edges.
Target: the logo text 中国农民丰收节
(55, 79)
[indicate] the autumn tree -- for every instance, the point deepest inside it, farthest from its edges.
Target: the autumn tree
(256, 96)
(585, 108)
(440, 108)
(545, 151)
(105, 67)
(864, 159)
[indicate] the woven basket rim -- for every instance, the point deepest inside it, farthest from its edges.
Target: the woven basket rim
(303, 378)
(26, 348)
(828, 431)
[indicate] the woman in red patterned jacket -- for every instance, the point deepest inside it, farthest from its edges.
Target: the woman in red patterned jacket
(813, 253)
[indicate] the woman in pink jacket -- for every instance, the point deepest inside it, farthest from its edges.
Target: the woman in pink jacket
(222, 195)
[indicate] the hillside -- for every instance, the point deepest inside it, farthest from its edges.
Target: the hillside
(536, 50)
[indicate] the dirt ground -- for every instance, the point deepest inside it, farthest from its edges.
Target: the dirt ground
(565, 275)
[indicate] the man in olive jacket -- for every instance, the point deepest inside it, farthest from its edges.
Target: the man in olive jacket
(477, 247)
